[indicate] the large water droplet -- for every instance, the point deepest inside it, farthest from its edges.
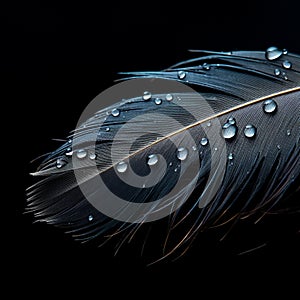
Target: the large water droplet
(204, 141)
(122, 167)
(269, 106)
(157, 101)
(182, 153)
(181, 74)
(90, 218)
(273, 53)
(169, 97)
(152, 159)
(250, 131)
(147, 96)
(115, 112)
(60, 163)
(286, 64)
(277, 72)
(229, 131)
(81, 154)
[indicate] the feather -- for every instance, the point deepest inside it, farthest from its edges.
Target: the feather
(211, 140)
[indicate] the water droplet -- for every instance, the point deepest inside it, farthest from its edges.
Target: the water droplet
(170, 164)
(208, 124)
(216, 149)
(152, 159)
(60, 163)
(144, 185)
(115, 112)
(122, 167)
(69, 151)
(230, 156)
(278, 147)
(277, 72)
(288, 132)
(284, 51)
(273, 53)
(147, 96)
(286, 64)
(181, 74)
(206, 66)
(90, 218)
(269, 106)
(157, 101)
(81, 154)
(229, 131)
(175, 170)
(194, 148)
(92, 155)
(182, 153)
(250, 131)
(107, 129)
(204, 141)
(70, 141)
(169, 97)
(231, 121)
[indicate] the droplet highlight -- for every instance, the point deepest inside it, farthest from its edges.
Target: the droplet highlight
(115, 112)
(250, 131)
(269, 106)
(152, 160)
(182, 153)
(273, 53)
(181, 74)
(204, 141)
(286, 64)
(169, 97)
(81, 154)
(122, 167)
(147, 96)
(157, 101)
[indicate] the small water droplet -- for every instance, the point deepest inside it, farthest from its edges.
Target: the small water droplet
(216, 149)
(81, 153)
(144, 185)
(206, 66)
(230, 156)
(273, 53)
(204, 141)
(277, 72)
(107, 129)
(157, 101)
(152, 159)
(250, 131)
(122, 167)
(229, 131)
(278, 147)
(147, 96)
(286, 64)
(60, 163)
(284, 51)
(231, 121)
(69, 151)
(288, 132)
(194, 148)
(92, 155)
(269, 106)
(181, 74)
(115, 112)
(170, 164)
(90, 218)
(70, 141)
(175, 170)
(182, 153)
(208, 124)
(169, 97)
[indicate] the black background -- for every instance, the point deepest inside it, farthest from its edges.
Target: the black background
(55, 59)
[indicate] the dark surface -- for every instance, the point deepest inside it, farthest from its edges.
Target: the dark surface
(55, 59)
